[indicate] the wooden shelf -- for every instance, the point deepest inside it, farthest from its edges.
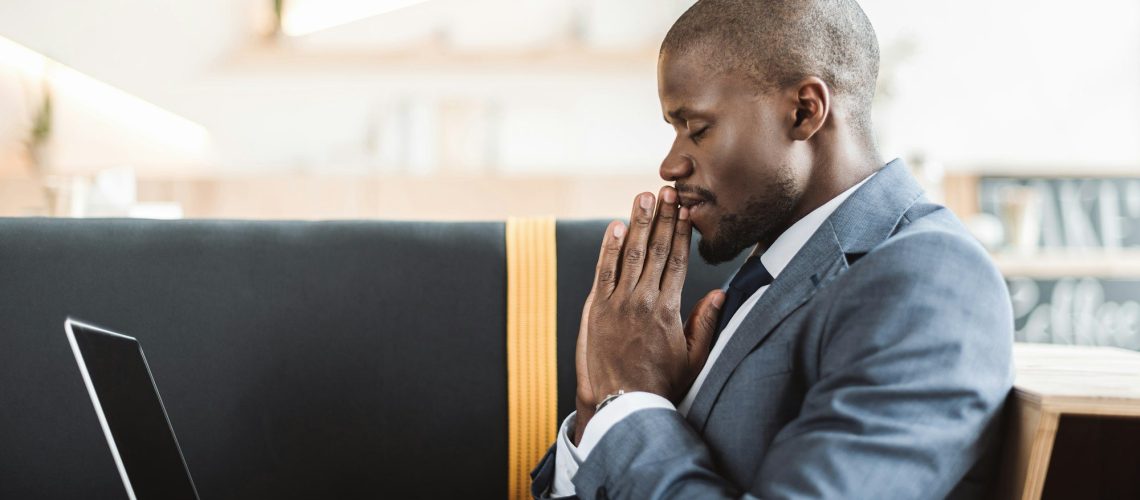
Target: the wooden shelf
(1120, 264)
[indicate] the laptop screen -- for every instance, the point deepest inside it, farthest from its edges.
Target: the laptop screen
(131, 413)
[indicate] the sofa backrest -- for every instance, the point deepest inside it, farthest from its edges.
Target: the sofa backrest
(327, 359)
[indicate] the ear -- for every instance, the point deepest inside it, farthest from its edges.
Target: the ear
(812, 107)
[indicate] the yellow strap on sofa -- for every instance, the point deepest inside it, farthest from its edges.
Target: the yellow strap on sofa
(532, 384)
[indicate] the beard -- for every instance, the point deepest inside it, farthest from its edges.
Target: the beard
(762, 220)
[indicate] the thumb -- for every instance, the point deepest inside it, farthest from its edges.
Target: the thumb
(702, 325)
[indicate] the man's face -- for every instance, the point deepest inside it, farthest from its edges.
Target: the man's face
(732, 157)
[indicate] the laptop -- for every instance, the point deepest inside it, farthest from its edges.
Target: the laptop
(131, 413)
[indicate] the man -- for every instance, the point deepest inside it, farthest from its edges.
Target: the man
(864, 351)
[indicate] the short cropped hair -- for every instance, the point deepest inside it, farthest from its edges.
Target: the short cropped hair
(777, 43)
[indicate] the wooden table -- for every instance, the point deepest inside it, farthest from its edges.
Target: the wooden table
(1092, 396)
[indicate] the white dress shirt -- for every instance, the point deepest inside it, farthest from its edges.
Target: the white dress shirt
(568, 457)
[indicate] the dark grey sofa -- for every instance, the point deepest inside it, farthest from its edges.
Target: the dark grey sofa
(338, 359)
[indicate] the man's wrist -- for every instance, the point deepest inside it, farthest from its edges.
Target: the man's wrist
(658, 385)
(606, 400)
(602, 423)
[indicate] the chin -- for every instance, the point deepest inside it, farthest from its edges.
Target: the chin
(734, 234)
(760, 219)
(717, 251)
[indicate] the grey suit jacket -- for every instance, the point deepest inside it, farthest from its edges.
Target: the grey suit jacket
(875, 366)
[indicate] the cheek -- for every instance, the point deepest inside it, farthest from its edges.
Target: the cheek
(744, 166)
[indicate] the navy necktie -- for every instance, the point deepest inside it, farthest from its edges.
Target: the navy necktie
(751, 276)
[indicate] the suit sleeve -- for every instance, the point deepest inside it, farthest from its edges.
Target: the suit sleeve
(915, 364)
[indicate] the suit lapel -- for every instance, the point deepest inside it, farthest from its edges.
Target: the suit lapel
(863, 221)
(817, 261)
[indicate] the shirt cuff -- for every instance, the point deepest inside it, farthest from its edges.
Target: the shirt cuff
(566, 459)
(619, 408)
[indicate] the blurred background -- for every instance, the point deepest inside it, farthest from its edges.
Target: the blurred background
(1022, 116)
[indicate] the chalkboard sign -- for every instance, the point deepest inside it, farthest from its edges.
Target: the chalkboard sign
(1064, 213)
(1091, 216)
(1079, 310)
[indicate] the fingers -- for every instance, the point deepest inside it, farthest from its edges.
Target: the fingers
(655, 251)
(701, 326)
(606, 272)
(605, 276)
(633, 256)
(677, 265)
(661, 240)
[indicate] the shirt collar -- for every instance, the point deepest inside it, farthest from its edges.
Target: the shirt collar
(788, 244)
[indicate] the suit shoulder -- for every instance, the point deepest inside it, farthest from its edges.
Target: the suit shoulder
(930, 233)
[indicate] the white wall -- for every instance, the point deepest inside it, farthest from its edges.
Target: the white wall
(144, 46)
(267, 110)
(1012, 84)
(1017, 84)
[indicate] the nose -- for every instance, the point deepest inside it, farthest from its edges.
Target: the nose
(676, 166)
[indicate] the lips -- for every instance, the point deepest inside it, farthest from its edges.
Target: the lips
(691, 202)
(696, 206)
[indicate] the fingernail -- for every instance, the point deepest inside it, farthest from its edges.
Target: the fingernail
(718, 300)
(668, 196)
(646, 201)
(619, 231)
(684, 215)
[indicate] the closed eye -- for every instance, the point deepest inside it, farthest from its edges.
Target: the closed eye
(698, 135)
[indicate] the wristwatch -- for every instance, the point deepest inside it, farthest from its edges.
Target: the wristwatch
(606, 400)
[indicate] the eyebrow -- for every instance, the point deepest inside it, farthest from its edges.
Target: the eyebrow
(684, 113)
(676, 114)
